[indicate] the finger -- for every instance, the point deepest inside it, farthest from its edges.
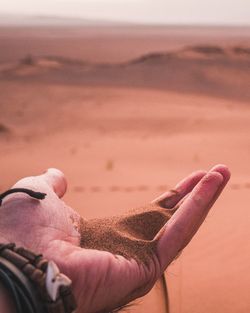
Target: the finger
(220, 168)
(224, 171)
(56, 180)
(187, 219)
(170, 198)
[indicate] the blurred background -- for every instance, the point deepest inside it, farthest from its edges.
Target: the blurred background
(127, 98)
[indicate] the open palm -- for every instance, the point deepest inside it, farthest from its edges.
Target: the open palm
(103, 280)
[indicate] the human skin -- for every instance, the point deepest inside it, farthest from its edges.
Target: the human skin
(51, 227)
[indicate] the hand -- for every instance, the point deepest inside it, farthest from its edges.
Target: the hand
(103, 281)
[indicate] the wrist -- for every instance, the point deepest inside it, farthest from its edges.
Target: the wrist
(34, 283)
(71, 263)
(6, 303)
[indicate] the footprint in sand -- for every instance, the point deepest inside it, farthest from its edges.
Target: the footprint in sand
(235, 186)
(73, 151)
(142, 188)
(79, 189)
(128, 189)
(95, 189)
(247, 185)
(4, 129)
(114, 188)
(162, 188)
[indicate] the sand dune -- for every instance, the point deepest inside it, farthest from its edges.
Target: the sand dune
(209, 70)
(113, 44)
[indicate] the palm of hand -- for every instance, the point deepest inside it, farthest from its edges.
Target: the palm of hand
(101, 280)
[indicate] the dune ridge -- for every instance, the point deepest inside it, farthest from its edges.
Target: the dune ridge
(204, 69)
(196, 52)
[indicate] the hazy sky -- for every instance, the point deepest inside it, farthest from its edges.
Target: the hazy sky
(151, 11)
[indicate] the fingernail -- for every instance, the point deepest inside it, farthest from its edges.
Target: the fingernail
(223, 170)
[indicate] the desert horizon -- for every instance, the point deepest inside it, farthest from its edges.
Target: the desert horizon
(126, 112)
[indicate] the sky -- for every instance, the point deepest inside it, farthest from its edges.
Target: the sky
(215, 12)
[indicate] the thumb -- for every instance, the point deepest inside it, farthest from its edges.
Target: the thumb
(56, 180)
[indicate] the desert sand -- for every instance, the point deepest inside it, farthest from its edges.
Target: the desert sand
(125, 114)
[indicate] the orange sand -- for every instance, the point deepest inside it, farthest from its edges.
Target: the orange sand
(121, 146)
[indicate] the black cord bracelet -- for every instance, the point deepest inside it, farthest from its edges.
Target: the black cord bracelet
(20, 288)
(24, 274)
(31, 193)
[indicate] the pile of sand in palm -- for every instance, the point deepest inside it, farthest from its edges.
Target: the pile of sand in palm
(132, 235)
